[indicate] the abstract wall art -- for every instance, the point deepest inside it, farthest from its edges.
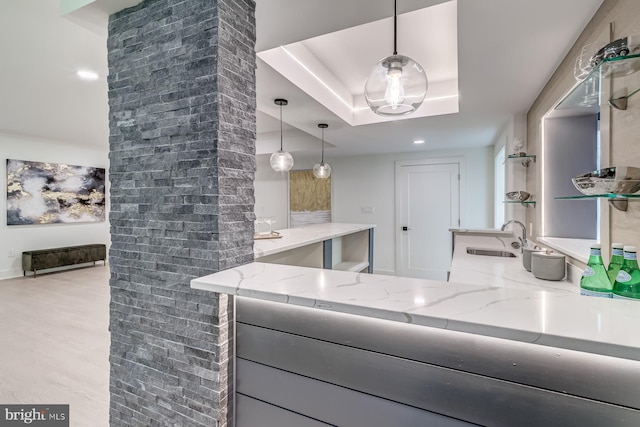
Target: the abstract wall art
(309, 199)
(48, 193)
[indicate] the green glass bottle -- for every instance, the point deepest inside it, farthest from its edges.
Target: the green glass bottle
(617, 257)
(627, 284)
(594, 281)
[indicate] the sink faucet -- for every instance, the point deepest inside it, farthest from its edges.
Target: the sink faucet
(523, 239)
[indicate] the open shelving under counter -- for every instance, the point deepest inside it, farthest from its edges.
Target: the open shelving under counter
(334, 246)
(350, 266)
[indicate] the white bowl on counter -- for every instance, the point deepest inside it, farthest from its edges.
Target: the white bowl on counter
(526, 256)
(548, 266)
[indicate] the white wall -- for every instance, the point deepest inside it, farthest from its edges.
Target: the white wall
(499, 187)
(369, 181)
(29, 237)
(271, 192)
(272, 188)
(515, 173)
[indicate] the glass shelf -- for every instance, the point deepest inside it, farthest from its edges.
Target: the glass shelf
(526, 203)
(586, 94)
(601, 196)
(617, 201)
(525, 159)
(528, 156)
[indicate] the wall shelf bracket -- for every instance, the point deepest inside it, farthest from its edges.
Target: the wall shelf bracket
(621, 102)
(619, 204)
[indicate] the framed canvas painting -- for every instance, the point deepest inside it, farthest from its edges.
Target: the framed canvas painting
(48, 193)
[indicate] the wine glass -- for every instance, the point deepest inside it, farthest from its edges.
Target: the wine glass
(588, 58)
(591, 93)
(259, 220)
(518, 145)
(270, 220)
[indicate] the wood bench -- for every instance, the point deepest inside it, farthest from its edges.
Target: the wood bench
(59, 257)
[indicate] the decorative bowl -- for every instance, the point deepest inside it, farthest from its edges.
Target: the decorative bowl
(518, 196)
(615, 180)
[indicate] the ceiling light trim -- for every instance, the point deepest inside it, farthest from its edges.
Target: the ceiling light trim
(300, 63)
(432, 99)
(291, 62)
(315, 76)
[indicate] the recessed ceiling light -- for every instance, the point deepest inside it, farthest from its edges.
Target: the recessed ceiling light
(87, 74)
(419, 141)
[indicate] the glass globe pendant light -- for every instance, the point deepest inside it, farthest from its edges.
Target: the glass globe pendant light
(397, 84)
(281, 161)
(322, 170)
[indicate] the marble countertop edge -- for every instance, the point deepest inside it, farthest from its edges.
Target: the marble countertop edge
(482, 232)
(503, 313)
(293, 238)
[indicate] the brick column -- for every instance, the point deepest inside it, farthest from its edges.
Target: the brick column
(182, 164)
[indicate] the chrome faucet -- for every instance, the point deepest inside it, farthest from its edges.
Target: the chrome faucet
(523, 239)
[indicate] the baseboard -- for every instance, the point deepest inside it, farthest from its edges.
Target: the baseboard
(10, 274)
(13, 273)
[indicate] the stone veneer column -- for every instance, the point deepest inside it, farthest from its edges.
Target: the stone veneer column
(182, 164)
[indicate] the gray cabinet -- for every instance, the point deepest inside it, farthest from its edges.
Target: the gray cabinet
(338, 369)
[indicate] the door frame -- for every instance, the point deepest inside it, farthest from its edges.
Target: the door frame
(462, 183)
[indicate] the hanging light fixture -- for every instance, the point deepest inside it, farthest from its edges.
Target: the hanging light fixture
(322, 170)
(281, 161)
(397, 84)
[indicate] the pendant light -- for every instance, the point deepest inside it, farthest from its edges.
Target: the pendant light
(397, 84)
(322, 170)
(281, 161)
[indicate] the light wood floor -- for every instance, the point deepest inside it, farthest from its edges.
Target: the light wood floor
(54, 342)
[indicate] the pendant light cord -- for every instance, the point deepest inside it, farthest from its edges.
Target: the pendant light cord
(280, 127)
(395, 27)
(322, 159)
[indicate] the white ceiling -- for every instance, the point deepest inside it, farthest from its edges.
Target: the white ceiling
(507, 50)
(332, 68)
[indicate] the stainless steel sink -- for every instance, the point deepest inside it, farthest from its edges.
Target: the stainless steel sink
(490, 252)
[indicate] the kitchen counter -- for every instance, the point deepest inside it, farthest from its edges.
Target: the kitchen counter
(293, 238)
(499, 271)
(335, 246)
(481, 232)
(549, 318)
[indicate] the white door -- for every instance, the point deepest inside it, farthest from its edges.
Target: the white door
(428, 205)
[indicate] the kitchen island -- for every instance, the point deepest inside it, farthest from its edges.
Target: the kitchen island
(334, 246)
(381, 350)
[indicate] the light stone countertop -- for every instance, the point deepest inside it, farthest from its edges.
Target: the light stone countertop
(498, 271)
(301, 236)
(560, 319)
(575, 248)
(481, 232)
